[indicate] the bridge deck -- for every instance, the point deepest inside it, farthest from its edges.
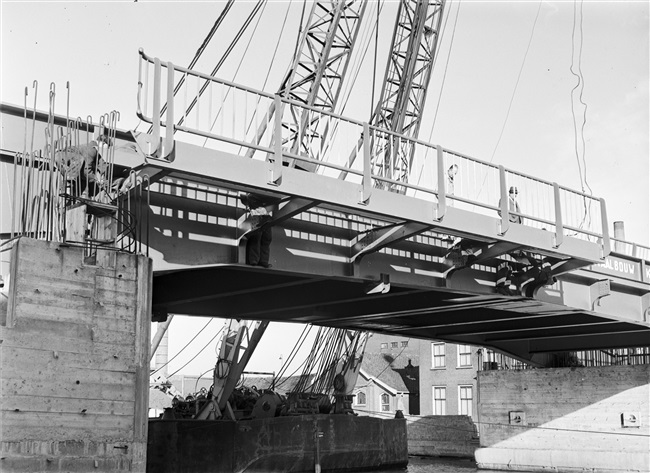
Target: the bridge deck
(361, 239)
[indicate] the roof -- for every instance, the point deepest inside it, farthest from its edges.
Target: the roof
(400, 373)
(283, 385)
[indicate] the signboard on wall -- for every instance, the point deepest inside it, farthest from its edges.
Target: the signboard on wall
(621, 267)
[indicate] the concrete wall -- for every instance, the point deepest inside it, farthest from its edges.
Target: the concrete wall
(441, 436)
(74, 361)
(569, 419)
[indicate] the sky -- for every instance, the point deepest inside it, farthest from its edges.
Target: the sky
(501, 88)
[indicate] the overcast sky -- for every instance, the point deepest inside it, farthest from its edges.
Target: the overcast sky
(506, 67)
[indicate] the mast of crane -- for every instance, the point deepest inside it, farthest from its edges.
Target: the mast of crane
(319, 66)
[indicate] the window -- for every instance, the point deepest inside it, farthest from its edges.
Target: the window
(439, 400)
(465, 400)
(464, 356)
(405, 343)
(384, 346)
(361, 398)
(385, 403)
(393, 344)
(438, 355)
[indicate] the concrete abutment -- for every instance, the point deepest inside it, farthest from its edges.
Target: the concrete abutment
(74, 360)
(565, 419)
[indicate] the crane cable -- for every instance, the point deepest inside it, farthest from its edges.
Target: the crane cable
(182, 349)
(199, 352)
(579, 86)
(444, 77)
(200, 51)
(268, 72)
(241, 61)
(514, 92)
(225, 55)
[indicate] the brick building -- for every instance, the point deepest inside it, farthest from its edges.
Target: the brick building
(446, 373)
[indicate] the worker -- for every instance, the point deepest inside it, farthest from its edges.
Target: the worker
(84, 168)
(513, 206)
(258, 246)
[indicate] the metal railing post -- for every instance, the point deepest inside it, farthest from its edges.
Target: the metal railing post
(155, 138)
(366, 184)
(167, 151)
(276, 170)
(605, 229)
(442, 191)
(559, 226)
(503, 202)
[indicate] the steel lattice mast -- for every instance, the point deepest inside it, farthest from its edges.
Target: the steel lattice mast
(404, 89)
(319, 66)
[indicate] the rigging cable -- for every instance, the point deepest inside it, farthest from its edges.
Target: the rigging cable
(294, 351)
(579, 85)
(182, 349)
(226, 54)
(444, 75)
(268, 73)
(200, 351)
(199, 51)
(348, 92)
(241, 61)
(374, 67)
(514, 92)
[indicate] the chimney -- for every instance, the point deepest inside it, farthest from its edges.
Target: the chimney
(619, 235)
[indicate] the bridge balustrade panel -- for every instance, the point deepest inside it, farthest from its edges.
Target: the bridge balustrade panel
(215, 113)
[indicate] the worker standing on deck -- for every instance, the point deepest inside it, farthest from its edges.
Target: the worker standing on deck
(513, 206)
(258, 246)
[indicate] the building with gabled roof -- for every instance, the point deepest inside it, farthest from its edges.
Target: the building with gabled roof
(386, 384)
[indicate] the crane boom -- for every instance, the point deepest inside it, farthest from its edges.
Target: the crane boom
(316, 75)
(404, 89)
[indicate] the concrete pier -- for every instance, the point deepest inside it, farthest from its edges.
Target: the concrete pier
(74, 361)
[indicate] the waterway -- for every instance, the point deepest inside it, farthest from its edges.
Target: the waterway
(441, 465)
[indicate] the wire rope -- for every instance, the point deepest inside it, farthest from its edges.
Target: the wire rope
(199, 51)
(241, 59)
(514, 92)
(268, 72)
(230, 48)
(580, 87)
(182, 349)
(200, 351)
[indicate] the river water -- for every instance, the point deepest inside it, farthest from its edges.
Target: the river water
(440, 465)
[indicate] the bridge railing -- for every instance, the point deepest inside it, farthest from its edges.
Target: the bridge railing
(248, 122)
(631, 249)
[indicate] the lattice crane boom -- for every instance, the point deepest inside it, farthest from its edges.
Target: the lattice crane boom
(319, 66)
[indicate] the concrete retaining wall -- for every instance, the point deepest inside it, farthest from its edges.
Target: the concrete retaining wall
(74, 361)
(565, 419)
(442, 436)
